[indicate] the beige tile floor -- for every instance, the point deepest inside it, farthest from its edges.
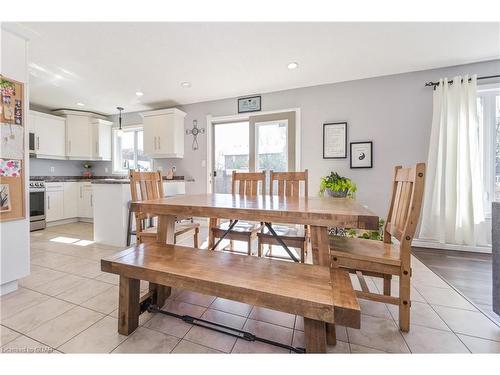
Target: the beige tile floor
(68, 305)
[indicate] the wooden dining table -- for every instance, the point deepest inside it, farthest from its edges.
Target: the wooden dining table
(320, 213)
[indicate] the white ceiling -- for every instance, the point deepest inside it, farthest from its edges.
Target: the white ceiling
(104, 64)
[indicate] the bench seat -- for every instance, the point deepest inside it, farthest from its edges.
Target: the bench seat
(314, 292)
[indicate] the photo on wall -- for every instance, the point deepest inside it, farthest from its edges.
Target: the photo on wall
(361, 154)
(5, 205)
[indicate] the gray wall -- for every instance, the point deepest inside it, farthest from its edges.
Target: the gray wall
(394, 112)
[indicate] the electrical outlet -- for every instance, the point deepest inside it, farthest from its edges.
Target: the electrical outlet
(106, 169)
(174, 168)
(52, 169)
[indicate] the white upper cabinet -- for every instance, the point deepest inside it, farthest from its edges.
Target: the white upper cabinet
(78, 137)
(49, 135)
(88, 135)
(164, 133)
(101, 139)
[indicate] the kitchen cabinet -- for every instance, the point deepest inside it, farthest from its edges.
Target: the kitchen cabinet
(71, 196)
(49, 135)
(101, 139)
(78, 137)
(164, 133)
(85, 201)
(54, 201)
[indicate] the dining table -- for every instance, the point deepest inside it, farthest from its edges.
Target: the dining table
(319, 213)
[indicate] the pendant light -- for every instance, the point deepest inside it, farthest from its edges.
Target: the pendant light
(119, 132)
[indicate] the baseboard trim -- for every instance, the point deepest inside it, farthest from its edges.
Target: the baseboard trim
(438, 245)
(8, 287)
(69, 221)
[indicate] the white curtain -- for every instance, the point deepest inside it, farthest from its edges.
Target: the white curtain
(453, 209)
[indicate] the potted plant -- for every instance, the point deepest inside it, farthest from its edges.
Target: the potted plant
(337, 186)
(88, 167)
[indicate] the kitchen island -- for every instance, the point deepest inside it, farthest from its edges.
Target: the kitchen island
(111, 197)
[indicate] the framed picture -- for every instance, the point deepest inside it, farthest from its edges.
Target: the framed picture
(249, 104)
(361, 154)
(335, 140)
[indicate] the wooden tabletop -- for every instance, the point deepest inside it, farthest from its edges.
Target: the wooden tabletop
(319, 211)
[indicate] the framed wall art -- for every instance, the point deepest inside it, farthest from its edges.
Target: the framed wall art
(361, 154)
(249, 104)
(335, 140)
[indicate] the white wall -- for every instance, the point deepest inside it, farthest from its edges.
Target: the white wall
(393, 111)
(14, 252)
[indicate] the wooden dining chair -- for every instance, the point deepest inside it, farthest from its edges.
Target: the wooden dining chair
(149, 185)
(288, 184)
(247, 184)
(384, 259)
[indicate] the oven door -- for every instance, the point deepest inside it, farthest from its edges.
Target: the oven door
(37, 205)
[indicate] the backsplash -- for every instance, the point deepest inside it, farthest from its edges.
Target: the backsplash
(42, 167)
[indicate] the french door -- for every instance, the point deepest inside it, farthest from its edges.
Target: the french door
(261, 142)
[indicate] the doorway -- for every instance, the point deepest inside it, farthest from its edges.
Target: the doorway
(267, 141)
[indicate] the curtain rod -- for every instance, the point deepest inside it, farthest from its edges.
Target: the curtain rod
(434, 84)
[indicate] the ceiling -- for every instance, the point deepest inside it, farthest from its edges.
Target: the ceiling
(104, 64)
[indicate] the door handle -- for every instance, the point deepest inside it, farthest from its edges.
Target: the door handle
(48, 202)
(81, 194)
(159, 146)
(155, 144)
(97, 147)
(69, 146)
(38, 142)
(215, 174)
(91, 200)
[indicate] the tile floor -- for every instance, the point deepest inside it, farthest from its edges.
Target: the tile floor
(68, 305)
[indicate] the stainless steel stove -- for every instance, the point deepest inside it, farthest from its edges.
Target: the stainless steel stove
(37, 205)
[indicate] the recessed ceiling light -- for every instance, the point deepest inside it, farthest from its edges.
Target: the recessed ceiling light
(186, 84)
(80, 104)
(293, 65)
(139, 93)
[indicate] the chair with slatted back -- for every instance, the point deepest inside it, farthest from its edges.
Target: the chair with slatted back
(384, 259)
(149, 185)
(288, 184)
(243, 183)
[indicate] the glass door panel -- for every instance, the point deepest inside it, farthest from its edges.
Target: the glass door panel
(231, 153)
(272, 146)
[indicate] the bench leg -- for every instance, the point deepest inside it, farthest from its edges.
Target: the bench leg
(315, 336)
(128, 305)
(161, 293)
(331, 334)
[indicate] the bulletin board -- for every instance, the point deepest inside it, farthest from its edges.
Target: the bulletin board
(12, 154)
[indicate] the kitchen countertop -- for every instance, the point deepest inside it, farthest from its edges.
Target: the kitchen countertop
(100, 179)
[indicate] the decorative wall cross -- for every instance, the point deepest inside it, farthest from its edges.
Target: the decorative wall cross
(194, 132)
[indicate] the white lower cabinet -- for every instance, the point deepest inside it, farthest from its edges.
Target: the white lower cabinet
(68, 200)
(54, 201)
(71, 191)
(85, 201)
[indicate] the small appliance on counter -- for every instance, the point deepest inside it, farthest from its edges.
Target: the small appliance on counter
(37, 205)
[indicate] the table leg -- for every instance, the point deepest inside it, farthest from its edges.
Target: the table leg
(315, 336)
(128, 305)
(320, 244)
(166, 234)
(212, 222)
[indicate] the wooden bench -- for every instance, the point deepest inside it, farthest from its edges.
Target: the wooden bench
(319, 294)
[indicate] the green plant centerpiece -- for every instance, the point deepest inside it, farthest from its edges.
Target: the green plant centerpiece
(337, 186)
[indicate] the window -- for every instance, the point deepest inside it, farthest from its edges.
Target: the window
(488, 107)
(128, 151)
